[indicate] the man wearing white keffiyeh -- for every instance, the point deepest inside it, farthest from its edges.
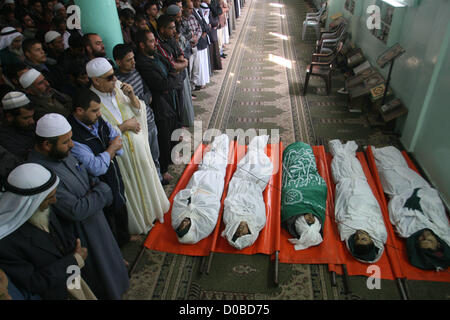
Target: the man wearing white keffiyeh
(34, 250)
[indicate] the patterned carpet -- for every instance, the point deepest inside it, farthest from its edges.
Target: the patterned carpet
(260, 87)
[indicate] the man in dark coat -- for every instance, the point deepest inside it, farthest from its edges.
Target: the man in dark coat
(158, 75)
(34, 250)
(81, 199)
(17, 128)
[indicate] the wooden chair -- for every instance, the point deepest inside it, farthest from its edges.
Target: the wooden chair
(322, 65)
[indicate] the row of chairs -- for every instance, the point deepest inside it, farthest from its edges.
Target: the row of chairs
(328, 47)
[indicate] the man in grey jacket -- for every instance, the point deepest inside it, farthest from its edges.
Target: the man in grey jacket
(81, 199)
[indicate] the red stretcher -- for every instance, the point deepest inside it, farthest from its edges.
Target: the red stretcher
(353, 266)
(163, 238)
(407, 270)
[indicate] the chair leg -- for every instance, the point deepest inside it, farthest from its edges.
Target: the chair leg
(303, 31)
(317, 28)
(328, 84)
(305, 86)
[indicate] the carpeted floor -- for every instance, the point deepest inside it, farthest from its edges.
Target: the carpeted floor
(260, 88)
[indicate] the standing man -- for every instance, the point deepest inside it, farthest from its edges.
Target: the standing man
(156, 73)
(146, 199)
(34, 250)
(124, 57)
(202, 46)
(96, 144)
(81, 199)
(190, 23)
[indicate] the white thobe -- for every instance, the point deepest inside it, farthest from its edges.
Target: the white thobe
(146, 198)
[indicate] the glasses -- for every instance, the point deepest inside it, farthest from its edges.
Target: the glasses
(109, 78)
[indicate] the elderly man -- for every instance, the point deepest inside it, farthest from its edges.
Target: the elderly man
(45, 98)
(96, 145)
(146, 199)
(81, 199)
(11, 46)
(17, 129)
(126, 72)
(34, 250)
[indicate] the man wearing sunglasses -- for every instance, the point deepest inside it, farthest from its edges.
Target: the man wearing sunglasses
(146, 198)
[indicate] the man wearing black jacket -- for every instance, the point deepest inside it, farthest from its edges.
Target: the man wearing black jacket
(163, 81)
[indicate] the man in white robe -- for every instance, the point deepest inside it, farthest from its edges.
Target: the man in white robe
(357, 211)
(146, 199)
(196, 208)
(244, 212)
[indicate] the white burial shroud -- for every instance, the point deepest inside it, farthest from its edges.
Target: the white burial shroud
(244, 201)
(200, 200)
(356, 208)
(399, 182)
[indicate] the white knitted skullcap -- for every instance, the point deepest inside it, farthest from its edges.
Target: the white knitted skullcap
(97, 67)
(14, 99)
(51, 35)
(52, 125)
(29, 77)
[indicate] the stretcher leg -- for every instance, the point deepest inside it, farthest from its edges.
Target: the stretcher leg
(333, 278)
(346, 280)
(209, 262)
(203, 265)
(276, 268)
(402, 288)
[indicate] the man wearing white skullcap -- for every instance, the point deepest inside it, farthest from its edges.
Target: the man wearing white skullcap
(34, 250)
(45, 98)
(55, 45)
(17, 128)
(81, 199)
(146, 198)
(11, 46)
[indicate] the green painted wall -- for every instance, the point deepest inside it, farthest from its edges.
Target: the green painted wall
(431, 142)
(417, 78)
(100, 16)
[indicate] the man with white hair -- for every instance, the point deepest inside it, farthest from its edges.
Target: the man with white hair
(34, 250)
(45, 98)
(146, 199)
(81, 199)
(11, 46)
(17, 129)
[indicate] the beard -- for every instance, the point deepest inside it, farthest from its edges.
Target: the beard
(150, 52)
(18, 52)
(58, 155)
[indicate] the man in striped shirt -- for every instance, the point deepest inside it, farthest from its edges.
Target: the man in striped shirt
(126, 72)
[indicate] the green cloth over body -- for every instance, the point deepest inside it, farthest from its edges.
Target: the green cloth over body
(303, 188)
